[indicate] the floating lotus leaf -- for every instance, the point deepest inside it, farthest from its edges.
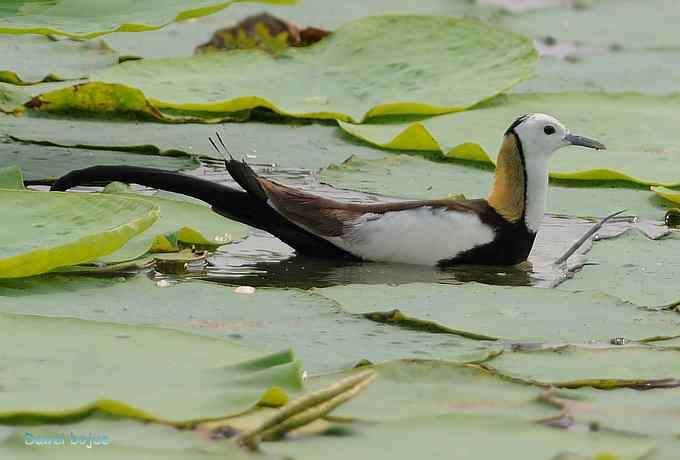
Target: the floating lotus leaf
(325, 337)
(637, 152)
(88, 19)
(416, 64)
(33, 59)
(605, 368)
(634, 268)
(415, 177)
(43, 231)
(165, 375)
(669, 195)
(413, 388)
(517, 314)
(181, 223)
(466, 436)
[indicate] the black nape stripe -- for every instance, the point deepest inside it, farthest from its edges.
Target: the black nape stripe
(516, 123)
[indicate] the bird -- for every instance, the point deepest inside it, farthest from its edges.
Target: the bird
(497, 230)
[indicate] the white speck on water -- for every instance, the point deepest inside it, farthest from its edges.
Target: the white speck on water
(245, 290)
(162, 283)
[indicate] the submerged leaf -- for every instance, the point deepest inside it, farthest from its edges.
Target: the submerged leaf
(643, 153)
(43, 231)
(411, 66)
(73, 18)
(81, 367)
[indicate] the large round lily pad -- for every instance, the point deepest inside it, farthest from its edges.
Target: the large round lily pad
(88, 19)
(140, 372)
(416, 64)
(43, 230)
(644, 153)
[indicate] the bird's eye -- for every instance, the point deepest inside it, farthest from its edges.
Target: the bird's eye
(549, 130)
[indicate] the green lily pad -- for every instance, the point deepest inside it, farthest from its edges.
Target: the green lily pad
(633, 24)
(129, 371)
(75, 19)
(47, 162)
(127, 439)
(615, 71)
(43, 231)
(411, 176)
(34, 59)
(325, 338)
(634, 268)
(643, 153)
(12, 99)
(181, 223)
(516, 314)
(414, 388)
(410, 67)
(466, 436)
(605, 368)
(309, 146)
(653, 412)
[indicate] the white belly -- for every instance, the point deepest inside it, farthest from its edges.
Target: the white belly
(421, 236)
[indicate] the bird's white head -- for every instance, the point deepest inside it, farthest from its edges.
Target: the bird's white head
(541, 135)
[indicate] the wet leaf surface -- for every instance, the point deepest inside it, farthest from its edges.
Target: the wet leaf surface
(43, 231)
(221, 378)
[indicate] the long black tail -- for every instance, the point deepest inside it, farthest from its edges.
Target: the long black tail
(231, 203)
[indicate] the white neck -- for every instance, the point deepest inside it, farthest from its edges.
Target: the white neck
(537, 191)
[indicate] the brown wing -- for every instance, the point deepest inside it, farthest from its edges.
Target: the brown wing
(327, 217)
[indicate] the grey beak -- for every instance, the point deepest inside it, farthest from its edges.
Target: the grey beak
(584, 142)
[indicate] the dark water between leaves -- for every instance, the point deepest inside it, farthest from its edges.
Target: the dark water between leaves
(263, 261)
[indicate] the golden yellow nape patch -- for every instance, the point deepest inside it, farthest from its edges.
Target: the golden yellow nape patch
(507, 195)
